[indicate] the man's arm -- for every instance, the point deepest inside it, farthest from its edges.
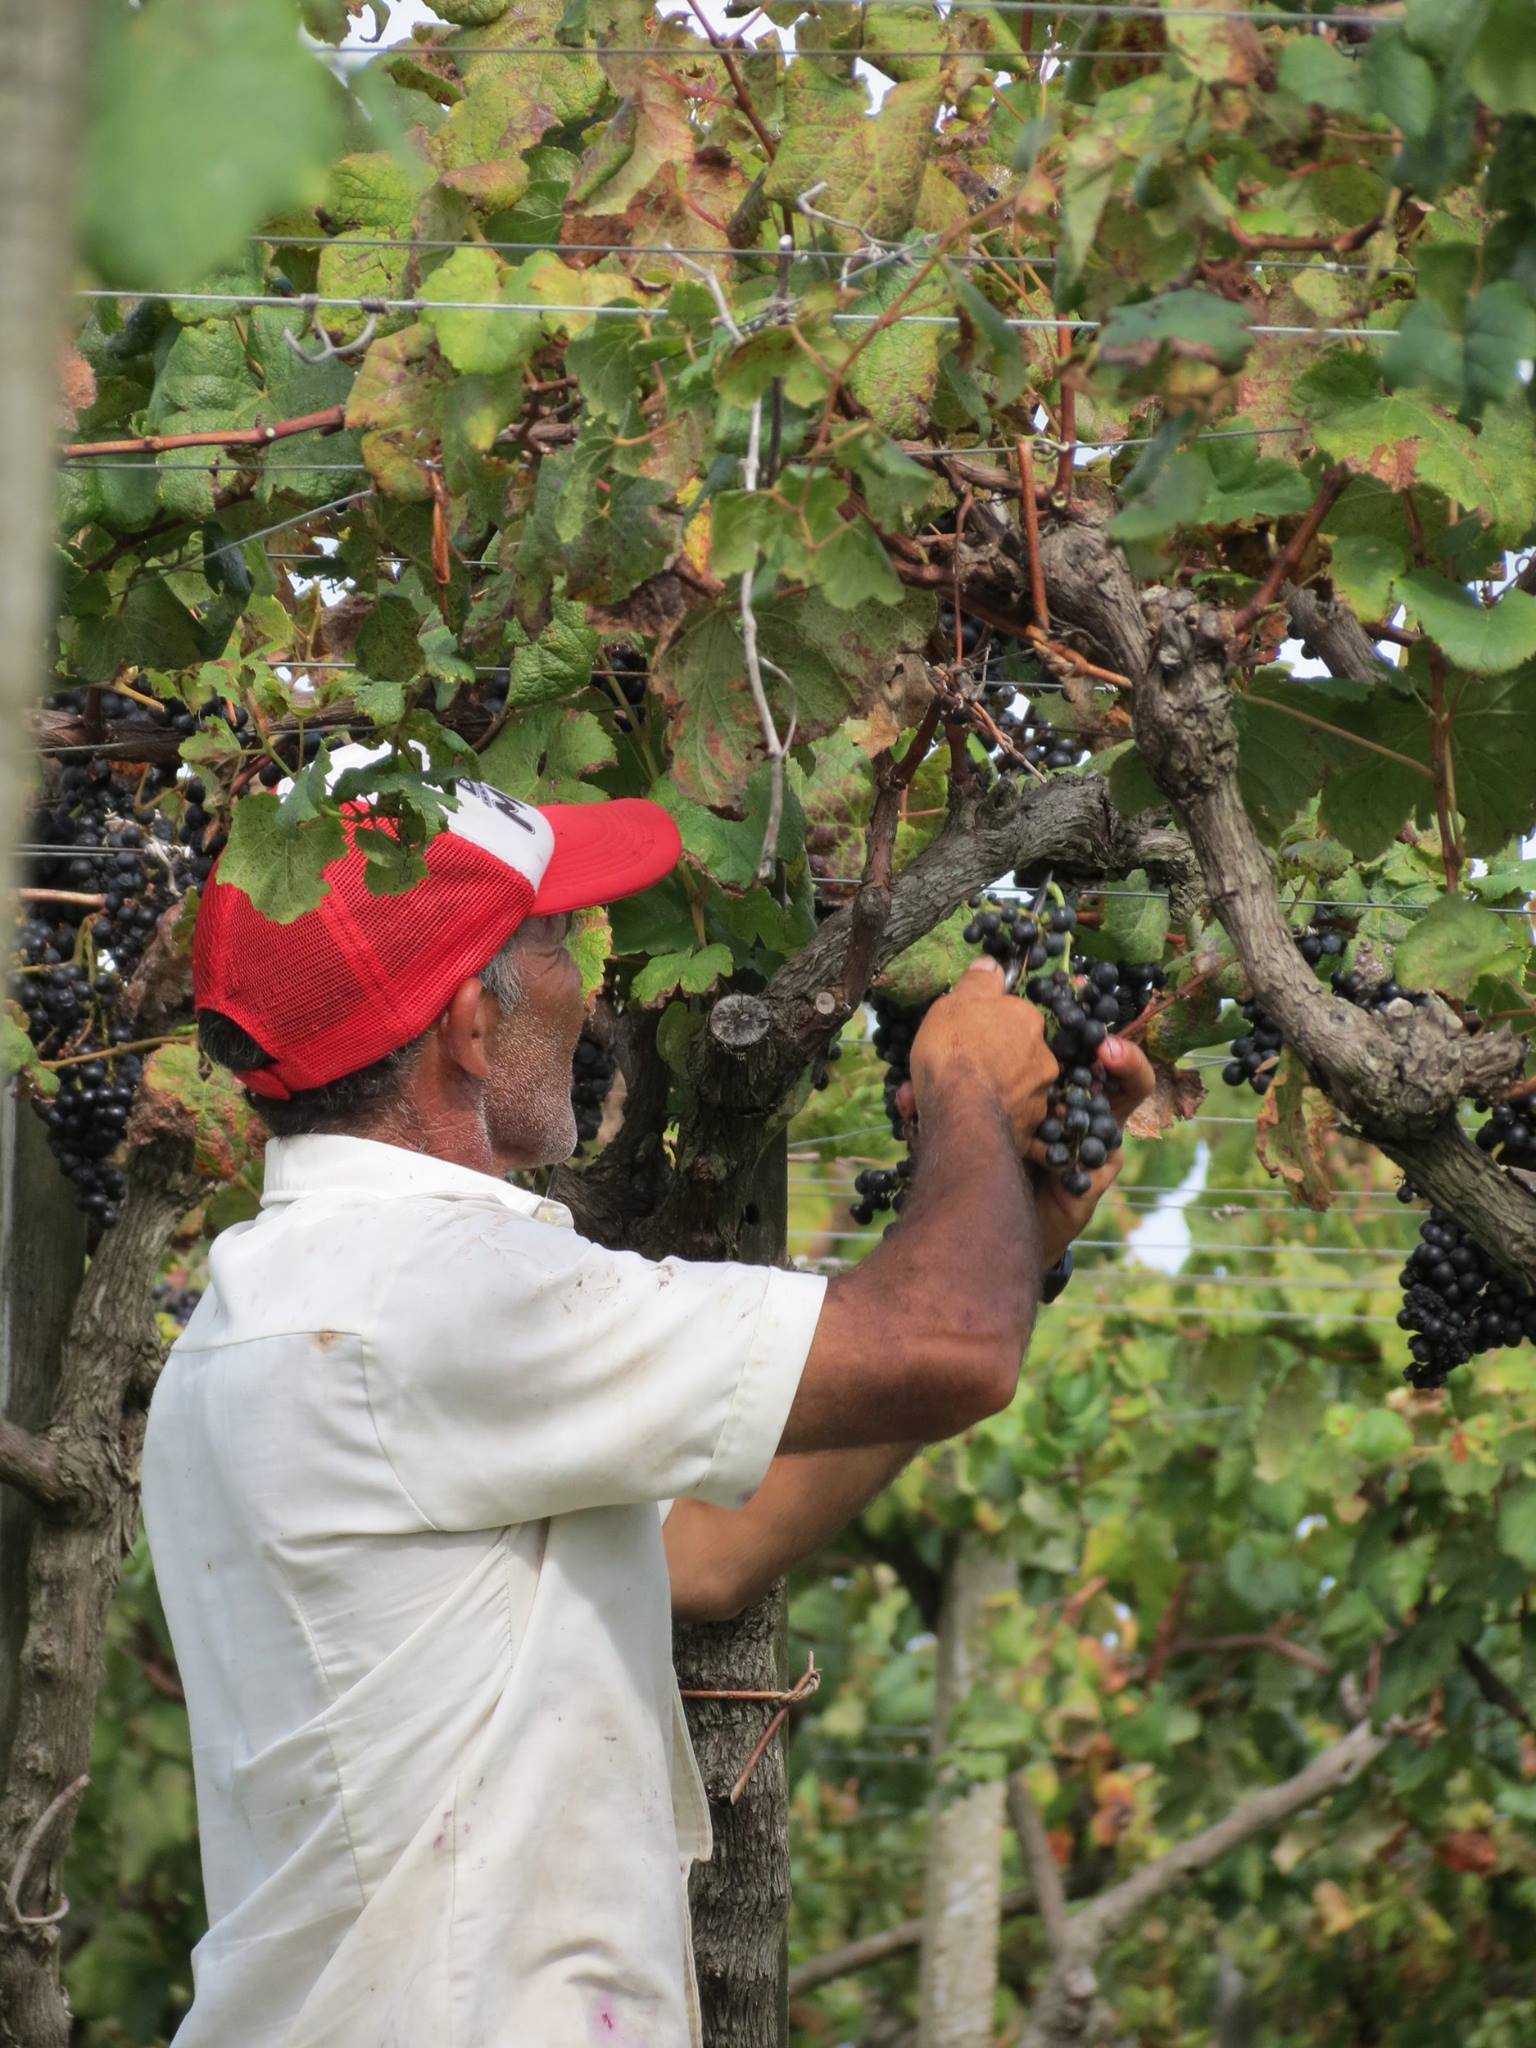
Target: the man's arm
(722, 1559)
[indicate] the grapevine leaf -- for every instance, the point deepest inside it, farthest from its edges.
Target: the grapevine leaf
(484, 343)
(280, 864)
(851, 569)
(18, 1055)
(1451, 945)
(183, 155)
(894, 375)
(547, 755)
(1315, 71)
(1213, 43)
(1399, 83)
(591, 947)
(694, 973)
(1501, 65)
(1365, 567)
(726, 849)
(1133, 924)
(1517, 1524)
(1501, 336)
(181, 1096)
(934, 964)
(1488, 639)
(870, 171)
(1291, 1134)
(821, 665)
(558, 663)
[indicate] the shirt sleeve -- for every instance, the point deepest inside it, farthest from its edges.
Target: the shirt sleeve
(517, 1370)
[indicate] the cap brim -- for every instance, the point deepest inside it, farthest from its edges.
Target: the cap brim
(604, 851)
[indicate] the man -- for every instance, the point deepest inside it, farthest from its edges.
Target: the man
(408, 1469)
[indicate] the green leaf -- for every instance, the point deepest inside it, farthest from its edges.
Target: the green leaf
(1416, 1663)
(18, 1055)
(988, 342)
(728, 850)
(279, 865)
(591, 947)
(1281, 763)
(387, 647)
(871, 171)
(1501, 65)
(693, 973)
(826, 666)
(1398, 83)
(185, 150)
(183, 1094)
(1175, 497)
(1364, 569)
(1500, 338)
(1517, 1524)
(559, 662)
(1315, 71)
(933, 964)
(1246, 485)
(1405, 439)
(547, 755)
(1488, 639)
(1451, 946)
(894, 375)
(607, 367)
(1427, 352)
(1190, 324)
(852, 568)
(482, 343)
(1133, 925)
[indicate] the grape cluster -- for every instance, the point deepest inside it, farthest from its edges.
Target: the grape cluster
(1254, 1053)
(176, 1300)
(73, 961)
(1079, 1131)
(1015, 935)
(592, 1074)
(1455, 1301)
(1035, 740)
(896, 1025)
(1380, 995)
(881, 1187)
(1509, 1136)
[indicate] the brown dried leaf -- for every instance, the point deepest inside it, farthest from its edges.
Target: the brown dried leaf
(1177, 1093)
(1470, 1850)
(655, 608)
(77, 386)
(1292, 1131)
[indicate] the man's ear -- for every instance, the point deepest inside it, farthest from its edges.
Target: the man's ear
(466, 1026)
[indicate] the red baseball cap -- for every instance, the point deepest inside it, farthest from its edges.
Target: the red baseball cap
(361, 975)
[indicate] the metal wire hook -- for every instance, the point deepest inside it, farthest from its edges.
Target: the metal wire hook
(329, 351)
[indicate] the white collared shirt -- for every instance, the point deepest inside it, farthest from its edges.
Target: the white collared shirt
(401, 1484)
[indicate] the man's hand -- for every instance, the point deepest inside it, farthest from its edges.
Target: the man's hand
(977, 1040)
(1064, 1217)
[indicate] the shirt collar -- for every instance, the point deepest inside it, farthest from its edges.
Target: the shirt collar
(365, 1170)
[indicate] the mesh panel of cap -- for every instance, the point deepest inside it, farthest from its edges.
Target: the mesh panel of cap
(361, 974)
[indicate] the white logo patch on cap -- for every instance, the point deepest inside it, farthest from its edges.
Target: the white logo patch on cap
(512, 832)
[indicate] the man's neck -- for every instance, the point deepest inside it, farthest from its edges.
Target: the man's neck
(461, 1140)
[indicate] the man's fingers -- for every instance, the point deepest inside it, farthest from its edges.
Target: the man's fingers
(906, 1102)
(984, 977)
(1132, 1069)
